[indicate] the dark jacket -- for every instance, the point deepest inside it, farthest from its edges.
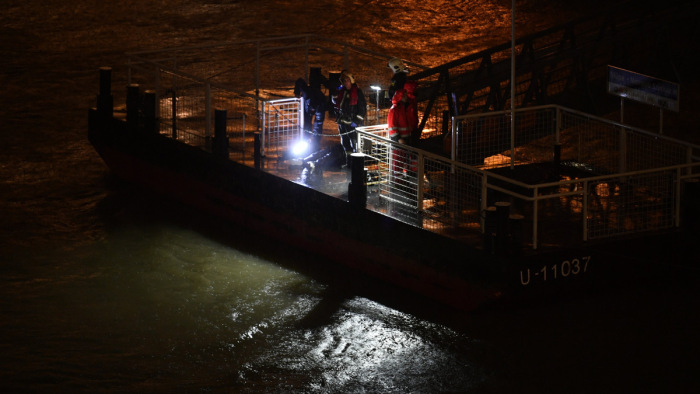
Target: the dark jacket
(351, 106)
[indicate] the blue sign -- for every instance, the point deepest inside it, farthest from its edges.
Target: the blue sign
(642, 88)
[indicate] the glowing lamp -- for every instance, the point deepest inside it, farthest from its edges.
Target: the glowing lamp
(377, 89)
(300, 148)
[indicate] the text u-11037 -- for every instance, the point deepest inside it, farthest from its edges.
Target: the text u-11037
(549, 272)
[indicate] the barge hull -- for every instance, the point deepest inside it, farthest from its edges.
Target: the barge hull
(425, 263)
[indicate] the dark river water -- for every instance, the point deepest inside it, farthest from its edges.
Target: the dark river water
(104, 288)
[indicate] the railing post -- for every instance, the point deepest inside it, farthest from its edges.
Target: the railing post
(263, 116)
(174, 110)
(484, 196)
(257, 71)
(306, 58)
(257, 156)
(132, 104)
(453, 149)
(623, 151)
(419, 181)
(557, 126)
(243, 132)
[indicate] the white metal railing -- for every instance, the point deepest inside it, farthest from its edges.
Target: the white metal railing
(638, 190)
(186, 104)
(484, 140)
(632, 180)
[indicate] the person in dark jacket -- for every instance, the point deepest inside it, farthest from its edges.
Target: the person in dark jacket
(351, 110)
(314, 104)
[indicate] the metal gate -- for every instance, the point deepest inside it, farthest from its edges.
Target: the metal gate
(282, 125)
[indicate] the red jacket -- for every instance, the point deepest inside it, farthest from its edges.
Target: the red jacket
(403, 114)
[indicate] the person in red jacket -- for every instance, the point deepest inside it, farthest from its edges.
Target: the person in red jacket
(402, 122)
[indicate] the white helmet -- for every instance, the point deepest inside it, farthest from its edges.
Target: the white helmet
(396, 65)
(346, 75)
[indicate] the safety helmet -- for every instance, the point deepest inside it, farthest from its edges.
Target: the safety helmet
(346, 75)
(396, 65)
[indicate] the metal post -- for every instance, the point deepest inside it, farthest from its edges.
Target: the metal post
(207, 111)
(220, 146)
(357, 189)
(132, 104)
(243, 132)
(419, 181)
(484, 196)
(257, 157)
(258, 103)
(105, 101)
(376, 89)
(622, 110)
(512, 88)
(453, 150)
(306, 58)
(261, 149)
(174, 110)
(150, 122)
(557, 127)
(623, 150)
(377, 122)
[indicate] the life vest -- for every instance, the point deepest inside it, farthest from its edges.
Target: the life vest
(350, 106)
(403, 114)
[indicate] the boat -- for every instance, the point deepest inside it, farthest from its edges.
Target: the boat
(465, 251)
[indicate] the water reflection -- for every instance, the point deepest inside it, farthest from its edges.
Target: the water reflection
(234, 320)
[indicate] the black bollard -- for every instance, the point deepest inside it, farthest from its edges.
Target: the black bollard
(150, 123)
(220, 144)
(357, 189)
(257, 157)
(133, 104)
(105, 101)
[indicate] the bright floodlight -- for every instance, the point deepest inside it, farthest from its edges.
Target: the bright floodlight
(375, 87)
(300, 148)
